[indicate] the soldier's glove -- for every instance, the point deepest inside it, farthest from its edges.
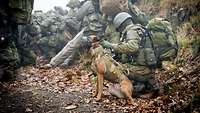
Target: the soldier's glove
(106, 44)
(85, 39)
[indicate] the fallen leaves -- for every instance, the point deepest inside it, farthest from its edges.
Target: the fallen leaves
(70, 107)
(28, 110)
(180, 85)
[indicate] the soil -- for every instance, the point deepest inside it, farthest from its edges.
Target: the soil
(57, 90)
(31, 93)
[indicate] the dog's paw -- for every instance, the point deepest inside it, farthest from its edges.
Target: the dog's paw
(94, 94)
(134, 103)
(97, 99)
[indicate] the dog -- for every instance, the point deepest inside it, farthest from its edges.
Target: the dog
(107, 68)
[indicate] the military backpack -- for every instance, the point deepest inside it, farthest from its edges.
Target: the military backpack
(158, 43)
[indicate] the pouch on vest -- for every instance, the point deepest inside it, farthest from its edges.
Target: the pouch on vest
(146, 54)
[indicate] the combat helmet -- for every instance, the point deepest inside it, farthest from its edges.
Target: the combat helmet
(120, 18)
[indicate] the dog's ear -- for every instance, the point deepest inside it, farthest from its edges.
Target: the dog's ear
(93, 38)
(96, 44)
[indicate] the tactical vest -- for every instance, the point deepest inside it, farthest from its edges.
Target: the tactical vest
(158, 43)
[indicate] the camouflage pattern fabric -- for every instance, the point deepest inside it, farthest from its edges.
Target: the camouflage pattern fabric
(114, 70)
(68, 50)
(111, 34)
(51, 28)
(72, 13)
(116, 6)
(27, 56)
(139, 17)
(110, 7)
(92, 24)
(142, 75)
(128, 49)
(131, 41)
(51, 31)
(163, 38)
(73, 3)
(59, 11)
(51, 45)
(130, 46)
(91, 19)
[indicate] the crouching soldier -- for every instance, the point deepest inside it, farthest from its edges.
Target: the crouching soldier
(127, 52)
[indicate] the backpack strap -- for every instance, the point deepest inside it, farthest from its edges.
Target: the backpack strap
(146, 36)
(124, 33)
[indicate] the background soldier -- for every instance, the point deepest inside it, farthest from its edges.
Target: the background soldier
(90, 17)
(113, 7)
(74, 5)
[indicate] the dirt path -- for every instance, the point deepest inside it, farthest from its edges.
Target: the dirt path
(53, 91)
(33, 100)
(70, 91)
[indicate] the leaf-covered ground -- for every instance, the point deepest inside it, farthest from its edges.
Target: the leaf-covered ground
(58, 90)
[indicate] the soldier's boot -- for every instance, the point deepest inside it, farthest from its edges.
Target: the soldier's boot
(153, 87)
(151, 94)
(139, 88)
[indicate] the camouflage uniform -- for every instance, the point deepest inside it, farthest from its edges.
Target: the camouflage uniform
(111, 34)
(12, 13)
(116, 6)
(138, 16)
(55, 31)
(52, 40)
(90, 18)
(50, 45)
(127, 54)
(72, 24)
(60, 11)
(128, 50)
(74, 5)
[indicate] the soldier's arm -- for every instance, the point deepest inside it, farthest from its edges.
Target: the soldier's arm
(139, 16)
(86, 9)
(129, 47)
